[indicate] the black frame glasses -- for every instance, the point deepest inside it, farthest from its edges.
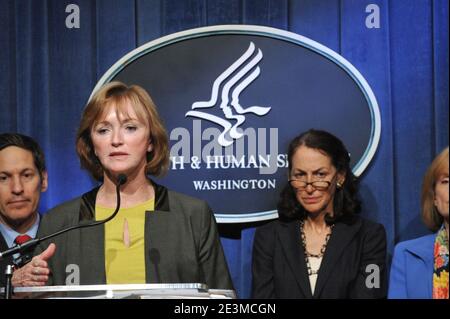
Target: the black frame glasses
(318, 185)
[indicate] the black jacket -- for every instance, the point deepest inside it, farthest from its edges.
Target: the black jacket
(4, 262)
(279, 267)
(9, 260)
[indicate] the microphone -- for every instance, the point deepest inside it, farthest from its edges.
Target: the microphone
(121, 179)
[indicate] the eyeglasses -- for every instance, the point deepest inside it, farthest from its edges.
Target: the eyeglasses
(319, 185)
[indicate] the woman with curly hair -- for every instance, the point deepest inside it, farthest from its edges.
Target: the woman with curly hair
(319, 247)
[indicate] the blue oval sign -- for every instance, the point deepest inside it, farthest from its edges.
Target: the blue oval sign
(232, 97)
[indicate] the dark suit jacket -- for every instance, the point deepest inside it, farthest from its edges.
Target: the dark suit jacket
(8, 260)
(4, 262)
(182, 244)
(279, 267)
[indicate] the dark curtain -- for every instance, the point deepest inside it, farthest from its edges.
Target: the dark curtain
(48, 71)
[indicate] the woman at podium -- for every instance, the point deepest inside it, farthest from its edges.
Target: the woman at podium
(158, 235)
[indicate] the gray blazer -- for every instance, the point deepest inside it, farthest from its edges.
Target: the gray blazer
(182, 244)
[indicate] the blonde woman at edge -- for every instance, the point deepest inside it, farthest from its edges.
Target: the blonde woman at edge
(420, 266)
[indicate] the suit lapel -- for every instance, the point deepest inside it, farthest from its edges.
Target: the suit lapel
(5, 261)
(289, 236)
(93, 243)
(161, 198)
(341, 236)
(3, 245)
(92, 239)
(424, 250)
(157, 226)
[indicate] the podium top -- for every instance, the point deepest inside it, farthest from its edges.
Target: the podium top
(127, 291)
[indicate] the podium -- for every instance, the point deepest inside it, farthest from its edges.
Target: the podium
(127, 291)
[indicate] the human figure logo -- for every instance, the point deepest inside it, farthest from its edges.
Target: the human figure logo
(235, 78)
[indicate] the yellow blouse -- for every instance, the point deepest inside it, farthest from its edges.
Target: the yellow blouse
(125, 243)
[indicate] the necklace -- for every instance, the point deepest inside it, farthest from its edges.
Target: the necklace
(308, 254)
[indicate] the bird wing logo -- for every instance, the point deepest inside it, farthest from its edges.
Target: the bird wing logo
(230, 84)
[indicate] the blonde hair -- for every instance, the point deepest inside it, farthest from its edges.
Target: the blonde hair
(431, 217)
(118, 94)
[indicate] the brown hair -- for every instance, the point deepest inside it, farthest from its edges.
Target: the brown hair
(118, 94)
(346, 203)
(430, 215)
(27, 143)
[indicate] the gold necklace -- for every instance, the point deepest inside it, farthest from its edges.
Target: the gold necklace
(308, 254)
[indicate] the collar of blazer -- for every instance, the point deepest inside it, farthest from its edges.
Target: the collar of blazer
(292, 247)
(423, 248)
(87, 208)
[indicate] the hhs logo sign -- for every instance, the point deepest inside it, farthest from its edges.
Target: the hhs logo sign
(232, 110)
(232, 97)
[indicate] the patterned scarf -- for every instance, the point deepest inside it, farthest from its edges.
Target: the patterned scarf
(440, 273)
